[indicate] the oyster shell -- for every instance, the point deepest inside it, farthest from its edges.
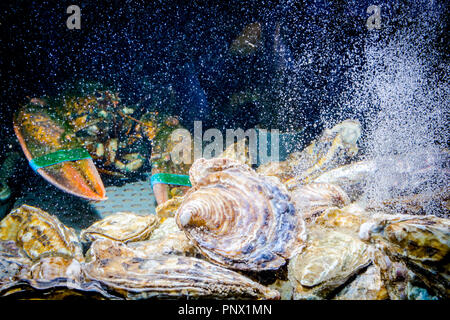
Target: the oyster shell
(121, 226)
(282, 170)
(328, 261)
(348, 219)
(168, 226)
(173, 243)
(13, 264)
(48, 278)
(37, 232)
(202, 168)
(422, 243)
(312, 199)
(238, 151)
(238, 218)
(168, 208)
(56, 266)
(401, 283)
(352, 177)
(366, 286)
(335, 147)
(136, 275)
(166, 239)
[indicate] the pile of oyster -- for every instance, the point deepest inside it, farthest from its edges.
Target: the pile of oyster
(289, 230)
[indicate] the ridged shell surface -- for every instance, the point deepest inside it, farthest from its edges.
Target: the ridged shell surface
(166, 239)
(366, 286)
(238, 218)
(136, 275)
(328, 261)
(122, 226)
(37, 232)
(312, 199)
(422, 243)
(168, 208)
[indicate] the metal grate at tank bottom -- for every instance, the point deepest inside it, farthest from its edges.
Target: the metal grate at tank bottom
(136, 197)
(78, 213)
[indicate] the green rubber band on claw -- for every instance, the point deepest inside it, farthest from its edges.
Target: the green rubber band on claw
(58, 157)
(169, 178)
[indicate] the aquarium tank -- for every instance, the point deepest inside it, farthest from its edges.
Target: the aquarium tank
(258, 150)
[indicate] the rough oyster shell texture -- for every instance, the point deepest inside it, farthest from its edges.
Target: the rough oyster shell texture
(50, 277)
(422, 243)
(37, 233)
(122, 226)
(238, 218)
(366, 286)
(14, 265)
(168, 208)
(400, 282)
(136, 275)
(334, 147)
(328, 261)
(166, 239)
(312, 199)
(347, 219)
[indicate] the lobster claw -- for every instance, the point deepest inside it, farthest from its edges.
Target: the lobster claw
(42, 137)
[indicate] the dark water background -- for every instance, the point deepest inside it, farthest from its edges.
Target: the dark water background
(129, 44)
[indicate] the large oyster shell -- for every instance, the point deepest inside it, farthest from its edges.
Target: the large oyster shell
(422, 243)
(50, 277)
(121, 226)
(312, 199)
(333, 148)
(238, 218)
(136, 275)
(328, 261)
(400, 282)
(37, 233)
(283, 170)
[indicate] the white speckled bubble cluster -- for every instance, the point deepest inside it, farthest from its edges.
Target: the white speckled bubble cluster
(403, 95)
